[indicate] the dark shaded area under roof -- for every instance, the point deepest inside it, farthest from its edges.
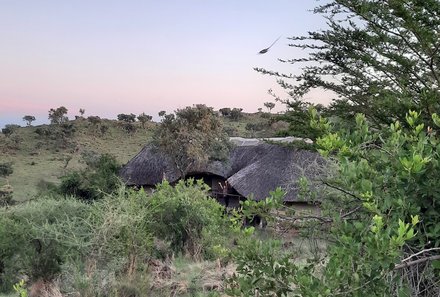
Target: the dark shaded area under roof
(251, 169)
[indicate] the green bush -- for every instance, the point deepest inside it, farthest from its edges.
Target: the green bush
(92, 183)
(91, 246)
(188, 218)
(38, 236)
(262, 270)
(6, 169)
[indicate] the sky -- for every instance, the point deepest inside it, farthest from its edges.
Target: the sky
(110, 57)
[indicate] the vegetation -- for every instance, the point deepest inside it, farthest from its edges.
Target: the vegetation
(83, 243)
(58, 115)
(379, 219)
(6, 169)
(144, 118)
(40, 155)
(28, 119)
(192, 136)
(269, 105)
(381, 142)
(129, 118)
(6, 189)
(232, 113)
(384, 55)
(9, 129)
(99, 178)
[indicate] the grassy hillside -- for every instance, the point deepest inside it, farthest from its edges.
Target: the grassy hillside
(38, 160)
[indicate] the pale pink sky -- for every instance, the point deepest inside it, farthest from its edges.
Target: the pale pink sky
(135, 56)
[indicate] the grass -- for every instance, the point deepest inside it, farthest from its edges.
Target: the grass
(190, 278)
(37, 161)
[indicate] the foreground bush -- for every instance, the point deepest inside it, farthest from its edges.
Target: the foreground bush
(186, 217)
(37, 238)
(380, 218)
(92, 247)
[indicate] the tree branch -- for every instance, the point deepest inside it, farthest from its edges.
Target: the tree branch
(421, 252)
(418, 261)
(341, 190)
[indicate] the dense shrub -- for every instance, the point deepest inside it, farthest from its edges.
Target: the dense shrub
(262, 269)
(91, 247)
(98, 178)
(9, 129)
(6, 169)
(37, 237)
(188, 218)
(378, 214)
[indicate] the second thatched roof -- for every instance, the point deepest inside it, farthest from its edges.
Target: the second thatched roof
(251, 169)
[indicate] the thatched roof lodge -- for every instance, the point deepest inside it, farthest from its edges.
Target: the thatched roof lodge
(254, 168)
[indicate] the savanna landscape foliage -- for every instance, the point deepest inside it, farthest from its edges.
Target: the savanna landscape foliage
(82, 233)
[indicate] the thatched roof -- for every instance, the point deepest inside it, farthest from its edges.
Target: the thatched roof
(254, 169)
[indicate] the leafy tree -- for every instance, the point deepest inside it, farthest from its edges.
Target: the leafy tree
(100, 177)
(236, 114)
(377, 214)
(162, 113)
(192, 136)
(381, 58)
(9, 129)
(225, 111)
(298, 116)
(185, 216)
(94, 120)
(82, 111)
(260, 109)
(269, 105)
(128, 118)
(144, 118)
(58, 116)
(29, 119)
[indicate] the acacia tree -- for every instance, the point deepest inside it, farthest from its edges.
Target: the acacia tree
(380, 57)
(58, 116)
(269, 105)
(29, 119)
(191, 137)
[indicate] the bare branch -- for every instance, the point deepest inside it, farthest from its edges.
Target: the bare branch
(418, 261)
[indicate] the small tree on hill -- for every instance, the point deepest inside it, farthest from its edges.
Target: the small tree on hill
(225, 111)
(236, 114)
(58, 116)
(193, 136)
(144, 118)
(82, 111)
(269, 105)
(128, 118)
(28, 119)
(9, 129)
(162, 113)
(95, 121)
